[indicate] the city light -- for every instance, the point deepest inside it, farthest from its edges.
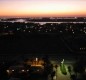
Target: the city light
(23, 70)
(8, 71)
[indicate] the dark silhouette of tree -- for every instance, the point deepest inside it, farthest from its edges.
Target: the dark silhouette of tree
(69, 69)
(46, 59)
(52, 75)
(56, 66)
(26, 66)
(73, 77)
(48, 67)
(79, 66)
(3, 73)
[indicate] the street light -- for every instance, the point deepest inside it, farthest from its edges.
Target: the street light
(36, 60)
(7, 71)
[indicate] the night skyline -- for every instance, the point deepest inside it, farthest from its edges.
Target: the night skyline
(42, 8)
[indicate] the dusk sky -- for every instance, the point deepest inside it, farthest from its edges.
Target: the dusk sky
(47, 8)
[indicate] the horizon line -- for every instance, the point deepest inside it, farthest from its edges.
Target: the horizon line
(38, 16)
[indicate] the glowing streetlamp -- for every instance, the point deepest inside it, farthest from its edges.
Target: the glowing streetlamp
(36, 60)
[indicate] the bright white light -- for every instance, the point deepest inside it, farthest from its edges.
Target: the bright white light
(7, 71)
(12, 70)
(36, 59)
(23, 70)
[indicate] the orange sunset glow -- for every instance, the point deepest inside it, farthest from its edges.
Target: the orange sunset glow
(42, 8)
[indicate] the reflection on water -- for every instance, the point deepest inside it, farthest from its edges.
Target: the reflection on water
(41, 23)
(20, 20)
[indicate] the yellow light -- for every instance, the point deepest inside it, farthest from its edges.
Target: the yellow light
(36, 65)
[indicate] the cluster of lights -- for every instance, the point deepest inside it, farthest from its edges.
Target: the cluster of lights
(83, 30)
(82, 48)
(71, 28)
(8, 71)
(25, 70)
(45, 28)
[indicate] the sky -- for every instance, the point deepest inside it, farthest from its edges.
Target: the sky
(42, 8)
